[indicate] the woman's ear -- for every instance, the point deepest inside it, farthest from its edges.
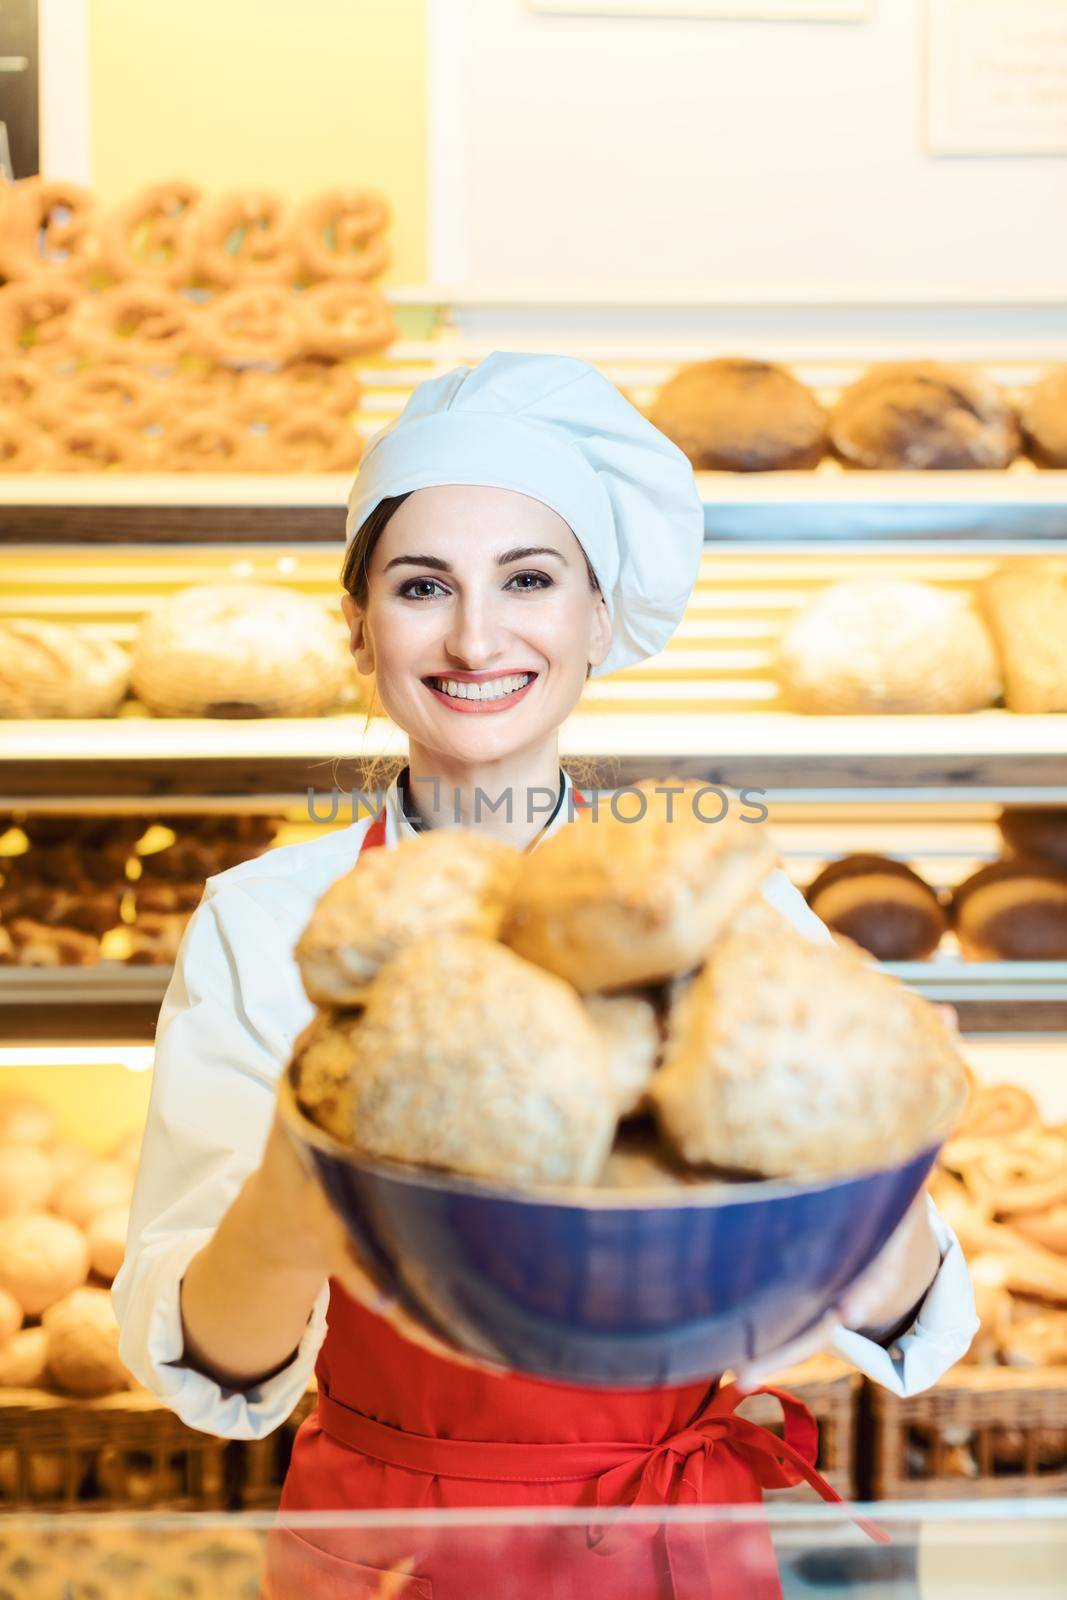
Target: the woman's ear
(601, 632)
(358, 634)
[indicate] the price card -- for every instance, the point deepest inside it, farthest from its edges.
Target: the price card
(737, 10)
(996, 77)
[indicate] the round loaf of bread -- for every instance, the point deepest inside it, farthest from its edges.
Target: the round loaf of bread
(1044, 418)
(468, 1058)
(42, 1258)
(1038, 832)
(737, 415)
(83, 1344)
(918, 415)
(51, 669)
(885, 645)
(240, 650)
(1025, 605)
(1012, 911)
(879, 904)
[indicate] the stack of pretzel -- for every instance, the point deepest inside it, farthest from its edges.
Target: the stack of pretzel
(186, 333)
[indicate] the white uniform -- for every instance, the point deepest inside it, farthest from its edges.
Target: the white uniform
(226, 1027)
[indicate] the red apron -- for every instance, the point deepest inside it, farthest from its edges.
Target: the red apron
(396, 1427)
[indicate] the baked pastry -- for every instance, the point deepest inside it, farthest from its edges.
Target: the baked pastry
(66, 850)
(446, 882)
(93, 910)
(1039, 832)
(27, 1179)
(879, 645)
(26, 1120)
(10, 1316)
(23, 1359)
(738, 415)
(760, 1070)
(1039, 1342)
(83, 1344)
(627, 1025)
(614, 904)
(251, 650)
(1026, 607)
(1044, 419)
(37, 944)
(1012, 911)
(50, 669)
(155, 937)
(42, 1258)
(918, 415)
(638, 1160)
(879, 904)
(470, 1059)
(102, 1186)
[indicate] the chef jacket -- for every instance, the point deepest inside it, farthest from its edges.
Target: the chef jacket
(233, 1008)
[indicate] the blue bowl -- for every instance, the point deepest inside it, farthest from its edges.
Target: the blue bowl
(622, 1288)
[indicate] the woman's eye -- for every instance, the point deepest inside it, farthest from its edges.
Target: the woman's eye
(407, 590)
(540, 580)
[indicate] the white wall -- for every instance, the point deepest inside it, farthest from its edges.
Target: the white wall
(672, 157)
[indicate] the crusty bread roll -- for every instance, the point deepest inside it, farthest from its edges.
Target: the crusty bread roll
(448, 881)
(100, 1187)
(1044, 418)
(50, 669)
(738, 415)
(83, 1344)
(240, 650)
(106, 1233)
(879, 904)
(1012, 911)
(470, 1059)
(10, 1316)
(42, 1258)
(919, 415)
(27, 1178)
(38, 944)
(1038, 832)
(627, 1025)
(612, 903)
(791, 1058)
(883, 645)
(1026, 608)
(23, 1359)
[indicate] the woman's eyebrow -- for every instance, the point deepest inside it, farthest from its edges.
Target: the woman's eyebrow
(503, 560)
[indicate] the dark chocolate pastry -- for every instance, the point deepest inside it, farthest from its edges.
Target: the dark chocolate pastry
(880, 904)
(1039, 833)
(736, 415)
(921, 415)
(1044, 419)
(90, 907)
(1012, 911)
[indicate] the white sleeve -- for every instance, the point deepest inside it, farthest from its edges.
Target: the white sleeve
(946, 1322)
(938, 1338)
(226, 1027)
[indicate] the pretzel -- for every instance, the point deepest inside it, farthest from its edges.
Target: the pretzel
(38, 315)
(1023, 1174)
(331, 385)
(48, 224)
(997, 1111)
(206, 441)
(134, 321)
(312, 441)
(345, 319)
(110, 391)
(21, 383)
(23, 448)
(245, 237)
(337, 234)
(98, 444)
(256, 323)
(152, 237)
(197, 382)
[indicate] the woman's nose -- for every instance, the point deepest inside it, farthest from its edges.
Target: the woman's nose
(473, 634)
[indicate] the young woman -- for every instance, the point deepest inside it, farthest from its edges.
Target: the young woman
(519, 527)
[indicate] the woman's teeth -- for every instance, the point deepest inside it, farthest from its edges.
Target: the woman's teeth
(494, 690)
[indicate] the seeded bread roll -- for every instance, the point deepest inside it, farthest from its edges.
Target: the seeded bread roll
(48, 669)
(612, 904)
(1026, 607)
(448, 881)
(881, 905)
(737, 415)
(879, 645)
(1012, 911)
(1044, 419)
(791, 1058)
(922, 415)
(468, 1058)
(1038, 832)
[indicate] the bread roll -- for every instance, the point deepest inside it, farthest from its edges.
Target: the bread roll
(83, 1344)
(1044, 419)
(24, 1120)
(919, 415)
(627, 1025)
(1012, 911)
(1037, 832)
(1026, 607)
(106, 1234)
(791, 1058)
(882, 645)
(737, 415)
(24, 1359)
(48, 669)
(101, 1187)
(881, 905)
(240, 650)
(27, 1178)
(42, 1258)
(638, 1160)
(36, 944)
(10, 1316)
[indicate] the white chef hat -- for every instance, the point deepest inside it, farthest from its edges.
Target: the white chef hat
(556, 429)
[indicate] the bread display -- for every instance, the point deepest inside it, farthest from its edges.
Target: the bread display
(1039, 832)
(887, 645)
(1044, 419)
(880, 904)
(616, 903)
(737, 415)
(759, 1052)
(1026, 608)
(50, 669)
(240, 649)
(443, 883)
(1012, 911)
(923, 415)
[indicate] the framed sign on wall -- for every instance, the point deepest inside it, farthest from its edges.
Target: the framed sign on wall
(996, 77)
(736, 10)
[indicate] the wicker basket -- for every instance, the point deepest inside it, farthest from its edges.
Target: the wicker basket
(985, 1431)
(122, 1452)
(830, 1390)
(261, 1464)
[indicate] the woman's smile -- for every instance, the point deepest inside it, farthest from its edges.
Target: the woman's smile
(481, 692)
